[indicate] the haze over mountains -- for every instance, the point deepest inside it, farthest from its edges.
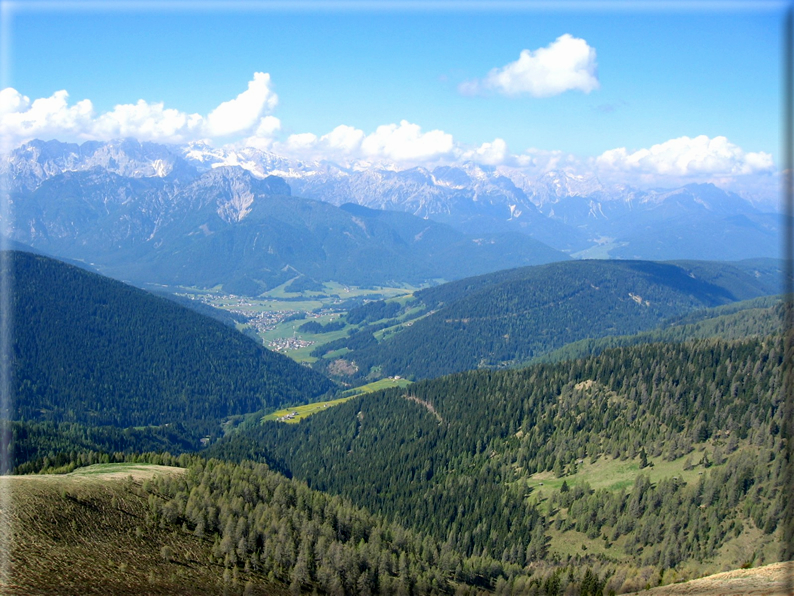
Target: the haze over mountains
(150, 212)
(141, 213)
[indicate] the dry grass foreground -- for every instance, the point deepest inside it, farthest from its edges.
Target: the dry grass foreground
(87, 533)
(769, 580)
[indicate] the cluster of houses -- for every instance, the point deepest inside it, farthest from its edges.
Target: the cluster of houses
(265, 321)
(283, 344)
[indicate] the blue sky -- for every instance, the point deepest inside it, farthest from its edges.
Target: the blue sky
(661, 75)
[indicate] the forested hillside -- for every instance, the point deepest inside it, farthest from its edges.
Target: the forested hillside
(216, 527)
(509, 317)
(759, 317)
(93, 351)
(457, 457)
(640, 464)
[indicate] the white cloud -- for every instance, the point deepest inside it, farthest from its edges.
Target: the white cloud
(300, 143)
(147, 122)
(539, 161)
(12, 101)
(21, 119)
(406, 143)
(264, 135)
(685, 157)
(268, 126)
(566, 64)
(491, 154)
(342, 144)
(667, 164)
(52, 117)
(403, 143)
(242, 114)
(344, 139)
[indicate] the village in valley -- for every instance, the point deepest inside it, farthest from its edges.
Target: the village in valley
(277, 315)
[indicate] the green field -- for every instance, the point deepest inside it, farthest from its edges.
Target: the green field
(618, 474)
(282, 334)
(296, 414)
(377, 386)
(124, 469)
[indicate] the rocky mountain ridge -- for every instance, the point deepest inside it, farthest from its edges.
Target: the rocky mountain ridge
(225, 226)
(573, 213)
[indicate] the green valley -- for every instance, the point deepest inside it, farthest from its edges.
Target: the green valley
(404, 298)
(294, 321)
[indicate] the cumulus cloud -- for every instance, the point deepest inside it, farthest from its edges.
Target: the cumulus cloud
(407, 142)
(243, 113)
(52, 117)
(399, 143)
(567, 64)
(344, 139)
(491, 154)
(302, 142)
(21, 119)
(685, 157)
(541, 161)
(265, 133)
(146, 122)
(247, 117)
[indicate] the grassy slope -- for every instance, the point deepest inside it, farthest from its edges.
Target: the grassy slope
(769, 580)
(604, 472)
(302, 412)
(86, 533)
(619, 474)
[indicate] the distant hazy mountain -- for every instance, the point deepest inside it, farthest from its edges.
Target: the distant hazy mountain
(176, 225)
(569, 212)
(36, 161)
(576, 214)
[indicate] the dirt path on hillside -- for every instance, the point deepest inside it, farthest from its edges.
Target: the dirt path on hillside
(426, 405)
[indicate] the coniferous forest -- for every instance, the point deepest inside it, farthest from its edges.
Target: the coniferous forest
(452, 457)
(115, 355)
(510, 317)
(617, 464)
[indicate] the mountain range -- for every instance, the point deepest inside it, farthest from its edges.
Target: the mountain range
(644, 464)
(151, 212)
(138, 213)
